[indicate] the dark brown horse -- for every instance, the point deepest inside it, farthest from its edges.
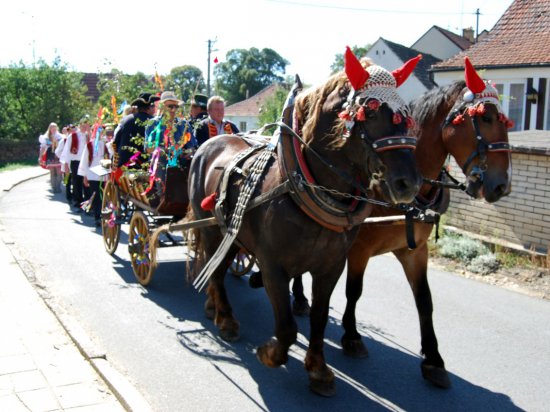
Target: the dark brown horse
(348, 128)
(463, 120)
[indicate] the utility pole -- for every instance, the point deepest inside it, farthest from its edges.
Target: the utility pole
(210, 50)
(477, 24)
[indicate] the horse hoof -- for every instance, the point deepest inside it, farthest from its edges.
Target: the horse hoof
(300, 308)
(267, 355)
(326, 389)
(229, 335)
(436, 375)
(355, 348)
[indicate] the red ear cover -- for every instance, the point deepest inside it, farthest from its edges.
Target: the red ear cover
(357, 75)
(405, 71)
(473, 81)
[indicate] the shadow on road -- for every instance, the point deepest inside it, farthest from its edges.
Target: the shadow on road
(389, 379)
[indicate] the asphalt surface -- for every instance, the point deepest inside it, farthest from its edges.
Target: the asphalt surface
(494, 341)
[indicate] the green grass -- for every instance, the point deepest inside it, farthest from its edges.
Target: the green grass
(4, 167)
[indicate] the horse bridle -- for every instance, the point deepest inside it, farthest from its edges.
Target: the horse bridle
(477, 173)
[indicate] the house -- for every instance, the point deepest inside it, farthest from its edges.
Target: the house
(392, 56)
(515, 55)
(444, 44)
(245, 113)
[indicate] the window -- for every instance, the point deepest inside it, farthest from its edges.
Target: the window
(512, 99)
(547, 125)
(242, 126)
(516, 104)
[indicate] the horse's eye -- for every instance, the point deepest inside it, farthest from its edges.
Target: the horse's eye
(486, 118)
(371, 114)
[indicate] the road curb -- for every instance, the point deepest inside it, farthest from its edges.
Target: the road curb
(121, 388)
(25, 179)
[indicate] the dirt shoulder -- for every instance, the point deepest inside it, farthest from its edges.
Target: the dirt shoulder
(531, 282)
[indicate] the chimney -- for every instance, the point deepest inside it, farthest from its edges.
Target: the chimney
(468, 34)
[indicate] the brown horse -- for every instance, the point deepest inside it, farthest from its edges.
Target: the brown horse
(348, 128)
(463, 120)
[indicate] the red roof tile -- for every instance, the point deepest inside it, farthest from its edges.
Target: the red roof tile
(521, 37)
(251, 106)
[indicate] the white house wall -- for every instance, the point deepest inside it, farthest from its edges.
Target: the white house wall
(436, 44)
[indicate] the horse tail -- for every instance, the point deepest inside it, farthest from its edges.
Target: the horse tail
(154, 242)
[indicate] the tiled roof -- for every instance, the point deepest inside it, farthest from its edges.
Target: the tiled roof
(251, 106)
(461, 42)
(421, 70)
(521, 37)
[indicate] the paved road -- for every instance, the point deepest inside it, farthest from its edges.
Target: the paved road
(494, 341)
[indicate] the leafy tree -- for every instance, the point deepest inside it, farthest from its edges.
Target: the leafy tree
(246, 72)
(122, 86)
(272, 107)
(32, 97)
(338, 63)
(185, 81)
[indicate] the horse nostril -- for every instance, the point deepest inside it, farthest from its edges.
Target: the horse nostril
(500, 191)
(401, 185)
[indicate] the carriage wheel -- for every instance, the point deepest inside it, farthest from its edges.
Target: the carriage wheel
(242, 264)
(138, 247)
(110, 214)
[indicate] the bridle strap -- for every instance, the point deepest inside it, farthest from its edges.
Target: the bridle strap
(394, 142)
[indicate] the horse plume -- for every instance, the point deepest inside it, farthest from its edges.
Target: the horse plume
(473, 81)
(405, 71)
(357, 75)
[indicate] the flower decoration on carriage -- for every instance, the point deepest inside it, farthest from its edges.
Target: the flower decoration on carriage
(480, 93)
(373, 86)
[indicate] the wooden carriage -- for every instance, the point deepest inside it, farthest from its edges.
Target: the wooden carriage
(126, 200)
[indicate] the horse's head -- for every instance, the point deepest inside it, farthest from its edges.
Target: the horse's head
(368, 123)
(476, 134)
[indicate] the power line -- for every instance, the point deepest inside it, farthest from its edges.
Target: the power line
(392, 11)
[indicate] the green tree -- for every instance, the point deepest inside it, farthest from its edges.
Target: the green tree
(122, 86)
(185, 81)
(32, 97)
(338, 63)
(272, 107)
(246, 72)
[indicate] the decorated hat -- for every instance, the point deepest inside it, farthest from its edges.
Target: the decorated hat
(375, 82)
(169, 96)
(144, 99)
(200, 100)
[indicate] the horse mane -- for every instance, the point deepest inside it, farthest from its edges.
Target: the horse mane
(426, 107)
(309, 105)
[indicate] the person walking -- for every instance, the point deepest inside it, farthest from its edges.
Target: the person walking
(93, 152)
(72, 153)
(49, 142)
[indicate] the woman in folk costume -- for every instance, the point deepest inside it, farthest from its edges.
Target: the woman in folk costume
(93, 152)
(65, 170)
(49, 142)
(215, 124)
(72, 153)
(169, 139)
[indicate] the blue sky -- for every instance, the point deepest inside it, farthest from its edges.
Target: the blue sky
(158, 35)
